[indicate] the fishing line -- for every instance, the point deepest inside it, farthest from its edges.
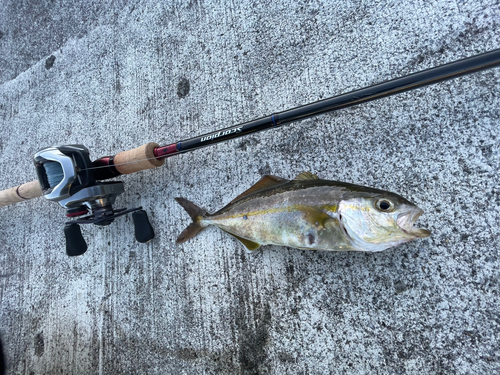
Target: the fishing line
(117, 164)
(54, 172)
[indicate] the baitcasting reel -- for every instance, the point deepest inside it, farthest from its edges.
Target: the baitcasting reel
(67, 176)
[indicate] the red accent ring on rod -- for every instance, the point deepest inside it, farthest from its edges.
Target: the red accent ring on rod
(165, 151)
(77, 213)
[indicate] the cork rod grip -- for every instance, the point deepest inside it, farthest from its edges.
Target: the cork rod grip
(20, 193)
(137, 159)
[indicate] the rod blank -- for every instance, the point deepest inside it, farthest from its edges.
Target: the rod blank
(151, 155)
(410, 82)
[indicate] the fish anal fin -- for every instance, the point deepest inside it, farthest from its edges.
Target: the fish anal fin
(250, 245)
(265, 182)
(306, 176)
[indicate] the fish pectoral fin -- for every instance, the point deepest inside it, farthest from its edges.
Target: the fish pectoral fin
(316, 217)
(265, 182)
(306, 176)
(250, 245)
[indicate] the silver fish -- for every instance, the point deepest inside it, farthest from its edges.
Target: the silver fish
(313, 214)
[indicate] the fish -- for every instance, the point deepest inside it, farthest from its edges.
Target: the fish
(313, 214)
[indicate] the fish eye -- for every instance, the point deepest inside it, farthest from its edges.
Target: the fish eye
(384, 205)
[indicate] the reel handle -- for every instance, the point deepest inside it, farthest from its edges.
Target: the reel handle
(143, 230)
(20, 193)
(75, 243)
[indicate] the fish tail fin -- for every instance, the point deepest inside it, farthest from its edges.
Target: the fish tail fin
(197, 214)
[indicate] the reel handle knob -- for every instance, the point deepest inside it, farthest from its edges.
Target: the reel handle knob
(143, 229)
(75, 243)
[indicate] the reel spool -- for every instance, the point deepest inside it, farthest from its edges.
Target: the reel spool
(66, 176)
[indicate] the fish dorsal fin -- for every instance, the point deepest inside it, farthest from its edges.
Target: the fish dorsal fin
(250, 245)
(266, 181)
(306, 176)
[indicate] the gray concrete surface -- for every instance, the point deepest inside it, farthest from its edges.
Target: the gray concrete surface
(115, 75)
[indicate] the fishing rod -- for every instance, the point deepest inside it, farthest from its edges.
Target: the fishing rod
(67, 175)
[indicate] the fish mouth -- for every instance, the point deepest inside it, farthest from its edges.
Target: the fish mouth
(406, 222)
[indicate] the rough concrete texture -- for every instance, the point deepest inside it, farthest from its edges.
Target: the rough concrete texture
(115, 75)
